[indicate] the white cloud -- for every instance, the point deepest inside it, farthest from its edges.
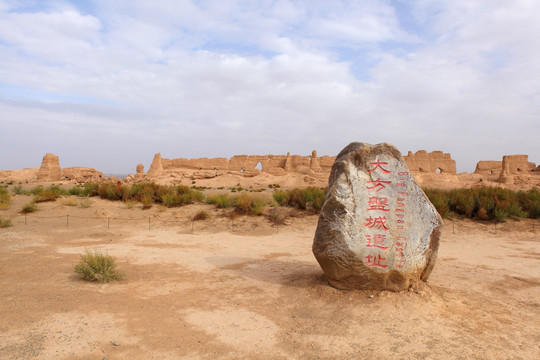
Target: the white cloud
(215, 79)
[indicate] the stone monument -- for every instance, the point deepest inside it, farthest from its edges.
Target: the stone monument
(377, 229)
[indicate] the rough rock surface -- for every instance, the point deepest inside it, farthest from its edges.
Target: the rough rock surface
(377, 229)
(50, 169)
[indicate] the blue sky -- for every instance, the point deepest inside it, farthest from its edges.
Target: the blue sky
(107, 83)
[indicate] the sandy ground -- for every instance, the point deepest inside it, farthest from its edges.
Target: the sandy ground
(253, 292)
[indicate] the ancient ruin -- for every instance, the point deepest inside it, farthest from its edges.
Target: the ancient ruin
(50, 169)
(433, 162)
(82, 175)
(431, 169)
(488, 167)
(377, 229)
(513, 165)
(245, 165)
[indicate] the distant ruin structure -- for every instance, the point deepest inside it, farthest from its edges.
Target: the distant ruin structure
(433, 162)
(82, 174)
(488, 167)
(246, 165)
(513, 165)
(49, 169)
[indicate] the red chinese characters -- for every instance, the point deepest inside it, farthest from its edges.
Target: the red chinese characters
(379, 185)
(378, 165)
(377, 241)
(378, 203)
(377, 223)
(375, 261)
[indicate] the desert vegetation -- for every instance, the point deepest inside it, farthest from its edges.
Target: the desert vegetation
(483, 203)
(29, 207)
(486, 203)
(96, 266)
(4, 223)
(5, 198)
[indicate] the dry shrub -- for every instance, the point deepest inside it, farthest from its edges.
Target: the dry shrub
(5, 198)
(222, 201)
(96, 266)
(482, 214)
(28, 208)
(201, 215)
(70, 202)
(276, 217)
(85, 203)
(246, 204)
(4, 223)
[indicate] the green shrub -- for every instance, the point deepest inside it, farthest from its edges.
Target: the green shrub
(35, 191)
(96, 266)
(147, 201)
(90, 190)
(4, 223)
(222, 201)
(280, 196)
(486, 203)
(30, 207)
(310, 198)
(248, 205)
(169, 199)
(76, 190)
(17, 189)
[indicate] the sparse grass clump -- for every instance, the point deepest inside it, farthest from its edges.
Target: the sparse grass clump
(130, 204)
(96, 266)
(70, 202)
(5, 223)
(85, 203)
(28, 208)
(17, 190)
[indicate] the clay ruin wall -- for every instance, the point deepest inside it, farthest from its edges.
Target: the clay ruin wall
(488, 167)
(273, 164)
(196, 164)
(517, 164)
(422, 161)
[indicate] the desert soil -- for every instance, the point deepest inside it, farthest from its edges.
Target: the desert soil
(253, 291)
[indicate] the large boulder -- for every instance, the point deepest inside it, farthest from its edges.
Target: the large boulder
(377, 229)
